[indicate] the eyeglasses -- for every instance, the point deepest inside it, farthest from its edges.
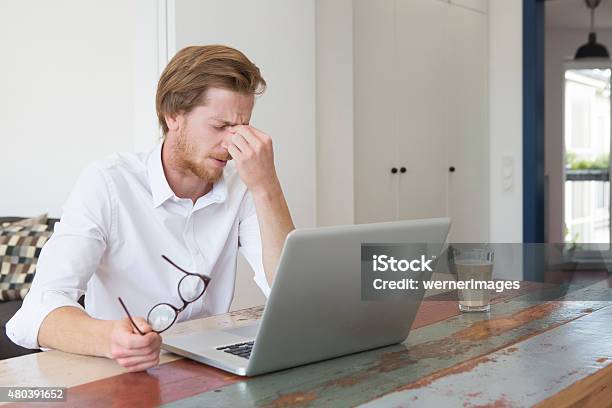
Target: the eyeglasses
(163, 315)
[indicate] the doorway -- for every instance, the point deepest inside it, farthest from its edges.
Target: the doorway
(577, 125)
(577, 138)
(586, 125)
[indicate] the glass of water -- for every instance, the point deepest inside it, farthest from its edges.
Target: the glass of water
(474, 267)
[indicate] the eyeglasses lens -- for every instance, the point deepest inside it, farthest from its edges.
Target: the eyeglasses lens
(161, 317)
(191, 287)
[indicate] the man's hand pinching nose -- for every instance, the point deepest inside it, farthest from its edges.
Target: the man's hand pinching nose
(252, 151)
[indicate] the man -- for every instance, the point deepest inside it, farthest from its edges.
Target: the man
(184, 199)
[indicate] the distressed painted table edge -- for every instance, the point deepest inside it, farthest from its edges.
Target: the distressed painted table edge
(537, 318)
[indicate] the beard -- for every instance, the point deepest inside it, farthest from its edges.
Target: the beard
(186, 153)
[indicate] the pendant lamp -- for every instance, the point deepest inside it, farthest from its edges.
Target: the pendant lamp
(592, 49)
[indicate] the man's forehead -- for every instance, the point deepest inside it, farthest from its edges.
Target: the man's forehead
(228, 115)
(228, 107)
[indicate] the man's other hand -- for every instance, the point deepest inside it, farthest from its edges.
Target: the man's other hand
(132, 350)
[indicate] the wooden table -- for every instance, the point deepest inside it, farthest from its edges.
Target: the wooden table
(538, 346)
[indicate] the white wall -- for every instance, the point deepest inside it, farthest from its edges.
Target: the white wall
(506, 117)
(334, 112)
(150, 58)
(69, 94)
(561, 44)
(506, 132)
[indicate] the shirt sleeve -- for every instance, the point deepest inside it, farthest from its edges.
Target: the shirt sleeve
(69, 258)
(249, 241)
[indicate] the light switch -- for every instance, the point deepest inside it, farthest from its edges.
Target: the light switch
(508, 173)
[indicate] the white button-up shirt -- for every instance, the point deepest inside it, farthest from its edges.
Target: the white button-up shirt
(119, 219)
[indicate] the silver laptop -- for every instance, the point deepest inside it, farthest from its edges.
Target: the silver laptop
(315, 310)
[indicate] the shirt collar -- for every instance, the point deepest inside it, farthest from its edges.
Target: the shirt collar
(160, 189)
(219, 190)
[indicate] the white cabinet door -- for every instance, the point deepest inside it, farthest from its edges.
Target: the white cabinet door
(421, 103)
(468, 147)
(375, 144)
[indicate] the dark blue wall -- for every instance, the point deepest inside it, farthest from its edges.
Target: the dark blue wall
(533, 133)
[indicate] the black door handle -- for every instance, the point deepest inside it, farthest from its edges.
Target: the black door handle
(451, 169)
(393, 170)
(402, 169)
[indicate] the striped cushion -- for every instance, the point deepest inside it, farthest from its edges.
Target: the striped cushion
(20, 247)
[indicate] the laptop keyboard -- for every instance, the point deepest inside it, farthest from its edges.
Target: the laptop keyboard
(239, 349)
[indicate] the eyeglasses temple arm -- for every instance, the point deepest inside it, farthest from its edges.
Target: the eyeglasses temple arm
(129, 316)
(206, 278)
(175, 265)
